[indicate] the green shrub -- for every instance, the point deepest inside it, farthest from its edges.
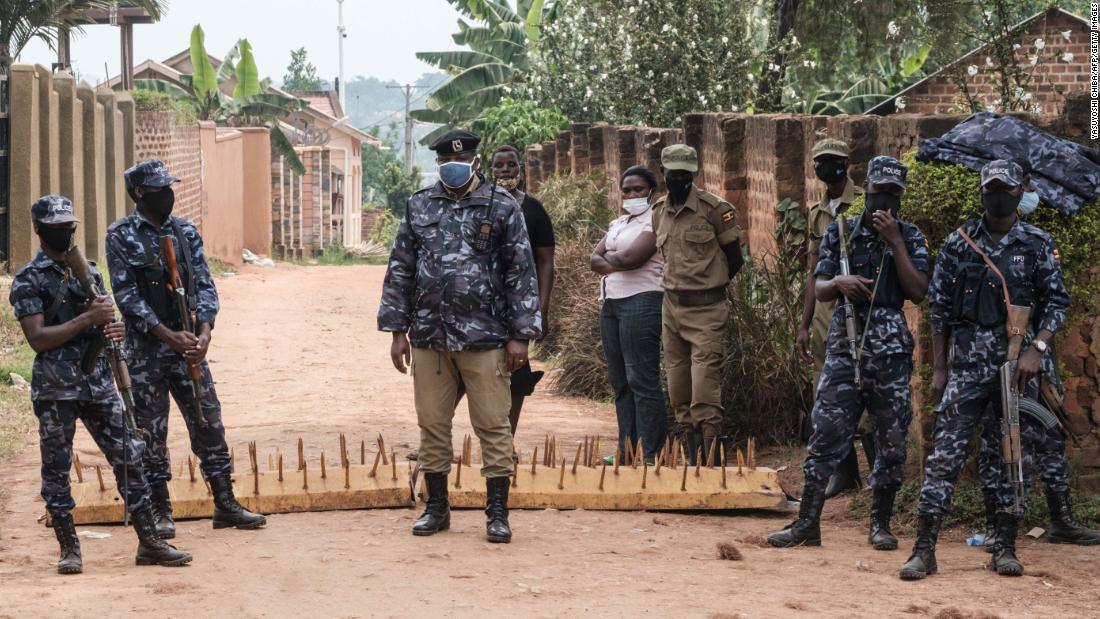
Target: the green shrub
(940, 197)
(577, 206)
(385, 228)
(151, 101)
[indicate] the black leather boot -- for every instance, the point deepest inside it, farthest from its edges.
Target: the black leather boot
(882, 508)
(806, 530)
(990, 521)
(1063, 528)
(152, 550)
(162, 509)
(1004, 560)
(496, 510)
(70, 561)
(227, 511)
(846, 476)
(922, 562)
(437, 514)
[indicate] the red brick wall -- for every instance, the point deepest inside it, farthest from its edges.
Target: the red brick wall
(1053, 77)
(157, 136)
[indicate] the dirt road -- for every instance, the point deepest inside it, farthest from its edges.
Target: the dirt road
(296, 353)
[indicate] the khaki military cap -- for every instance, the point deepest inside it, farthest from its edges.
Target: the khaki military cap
(680, 157)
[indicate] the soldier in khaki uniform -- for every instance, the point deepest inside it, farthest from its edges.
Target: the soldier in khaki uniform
(699, 240)
(831, 167)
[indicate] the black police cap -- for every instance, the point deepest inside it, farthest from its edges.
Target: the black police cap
(456, 141)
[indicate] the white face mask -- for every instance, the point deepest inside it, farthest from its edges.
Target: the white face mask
(636, 206)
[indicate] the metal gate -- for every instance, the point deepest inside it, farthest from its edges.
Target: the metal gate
(5, 169)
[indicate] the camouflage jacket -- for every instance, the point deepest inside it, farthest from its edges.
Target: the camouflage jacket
(57, 374)
(1065, 174)
(887, 333)
(1028, 258)
(138, 273)
(461, 275)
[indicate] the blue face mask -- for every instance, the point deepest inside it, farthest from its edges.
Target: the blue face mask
(455, 174)
(1029, 202)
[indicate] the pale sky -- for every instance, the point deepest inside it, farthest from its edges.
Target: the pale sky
(383, 36)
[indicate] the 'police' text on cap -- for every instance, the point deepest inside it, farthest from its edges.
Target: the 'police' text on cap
(53, 209)
(883, 170)
(1008, 172)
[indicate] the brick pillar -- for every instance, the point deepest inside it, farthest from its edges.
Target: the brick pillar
(95, 189)
(564, 143)
(49, 168)
(578, 147)
(115, 160)
(533, 167)
(861, 134)
(25, 160)
(70, 124)
(775, 172)
(596, 155)
(815, 130)
(549, 159)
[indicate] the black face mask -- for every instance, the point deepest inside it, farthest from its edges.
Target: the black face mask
(160, 202)
(1000, 203)
(57, 239)
(831, 171)
(678, 186)
(883, 201)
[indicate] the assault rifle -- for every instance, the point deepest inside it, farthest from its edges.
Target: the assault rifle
(846, 304)
(79, 266)
(1011, 448)
(174, 284)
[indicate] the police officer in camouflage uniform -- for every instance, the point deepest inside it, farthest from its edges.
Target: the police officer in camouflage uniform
(968, 316)
(830, 158)
(698, 238)
(889, 265)
(1048, 445)
(160, 351)
(461, 291)
(71, 380)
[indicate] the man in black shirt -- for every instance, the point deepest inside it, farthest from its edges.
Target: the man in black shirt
(506, 174)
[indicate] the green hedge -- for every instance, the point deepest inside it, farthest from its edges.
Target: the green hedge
(150, 101)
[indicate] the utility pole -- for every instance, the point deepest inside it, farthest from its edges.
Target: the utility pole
(408, 88)
(343, 32)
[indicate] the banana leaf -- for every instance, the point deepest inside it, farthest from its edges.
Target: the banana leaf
(203, 79)
(248, 76)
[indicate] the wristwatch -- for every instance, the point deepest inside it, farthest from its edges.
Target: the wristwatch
(1040, 345)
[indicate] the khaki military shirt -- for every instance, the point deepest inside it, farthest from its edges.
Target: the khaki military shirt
(691, 241)
(820, 217)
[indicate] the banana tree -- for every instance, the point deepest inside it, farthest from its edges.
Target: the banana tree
(22, 21)
(500, 40)
(250, 104)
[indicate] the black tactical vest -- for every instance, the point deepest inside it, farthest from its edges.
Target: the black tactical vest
(978, 294)
(870, 259)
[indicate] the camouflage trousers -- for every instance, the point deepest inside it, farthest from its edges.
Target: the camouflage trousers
(1044, 453)
(884, 394)
(952, 434)
(157, 370)
(103, 420)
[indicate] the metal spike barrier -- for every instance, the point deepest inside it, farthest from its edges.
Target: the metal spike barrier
(585, 485)
(268, 492)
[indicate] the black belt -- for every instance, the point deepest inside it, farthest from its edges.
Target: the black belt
(695, 298)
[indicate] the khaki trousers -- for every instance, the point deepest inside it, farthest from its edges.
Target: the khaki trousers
(819, 335)
(694, 342)
(488, 394)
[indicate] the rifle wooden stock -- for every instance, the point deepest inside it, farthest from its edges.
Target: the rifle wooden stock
(174, 284)
(78, 264)
(850, 325)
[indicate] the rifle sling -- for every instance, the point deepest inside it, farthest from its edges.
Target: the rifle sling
(1009, 329)
(185, 246)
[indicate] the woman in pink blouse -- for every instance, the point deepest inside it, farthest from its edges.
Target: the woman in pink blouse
(630, 321)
